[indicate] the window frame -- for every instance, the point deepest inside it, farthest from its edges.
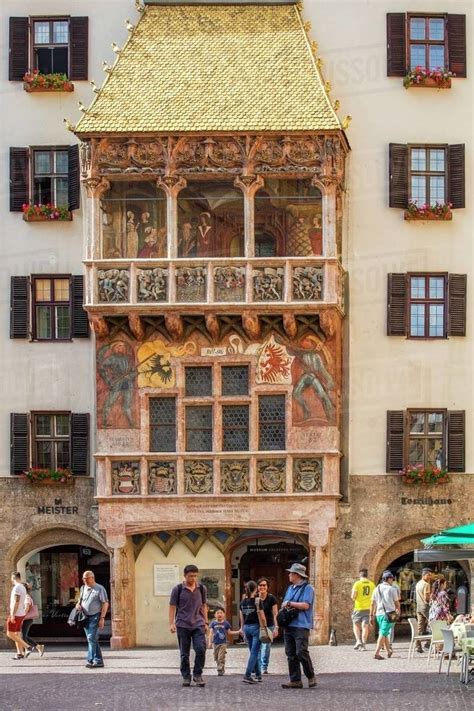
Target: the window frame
(427, 42)
(152, 426)
(54, 439)
(271, 394)
(428, 173)
(52, 150)
(427, 301)
(52, 303)
(33, 45)
(426, 437)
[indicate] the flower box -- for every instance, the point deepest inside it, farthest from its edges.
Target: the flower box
(46, 218)
(430, 83)
(410, 217)
(36, 82)
(438, 78)
(48, 477)
(45, 213)
(67, 86)
(415, 474)
(438, 211)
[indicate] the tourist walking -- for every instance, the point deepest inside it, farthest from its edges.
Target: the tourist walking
(423, 596)
(361, 595)
(250, 619)
(188, 619)
(269, 605)
(296, 618)
(218, 634)
(440, 608)
(31, 614)
(94, 603)
(16, 616)
(385, 606)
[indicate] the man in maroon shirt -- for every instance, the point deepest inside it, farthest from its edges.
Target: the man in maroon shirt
(188, 618)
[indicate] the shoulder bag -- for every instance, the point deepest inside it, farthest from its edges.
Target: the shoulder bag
(265, 634)
(78, 618)
(389, 616)
(287, 615)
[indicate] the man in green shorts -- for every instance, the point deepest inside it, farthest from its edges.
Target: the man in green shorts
(385, 600)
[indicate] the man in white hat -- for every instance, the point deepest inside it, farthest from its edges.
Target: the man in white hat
(299, 598)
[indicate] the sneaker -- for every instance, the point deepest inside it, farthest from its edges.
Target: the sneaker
(357, 645)
(427, 645)
(258, 678)
(363, 648)
(18, 656)
(292, 685)
(248, 680)
(312, 682)
(199, 681)
(98, 665)
(40, 649)
(89, 665)
(186, 682)
(378, 656)
(265, 671)
(420, 651)
(220, 672)
(27, 653)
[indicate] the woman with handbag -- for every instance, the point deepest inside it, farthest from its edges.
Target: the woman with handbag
(31, 615)
(251, 618)
(269, 630)
(385, 606)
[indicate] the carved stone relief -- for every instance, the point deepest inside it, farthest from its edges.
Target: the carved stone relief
(229, 283)
(162, 478)
(268, 284)
(152, 285)
(198, 477)
(308, 283)
(307, 475)
(235, 476)
(125, 477)
(271, 476)
(191, 284)
(113, 285)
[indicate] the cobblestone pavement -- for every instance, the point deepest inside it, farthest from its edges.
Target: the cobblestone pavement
(148, 680)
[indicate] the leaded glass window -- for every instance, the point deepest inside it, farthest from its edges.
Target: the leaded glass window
(162, 424)
(235, 428)
(271, 422)
(199, 428)
(235, 380)
(198, 381)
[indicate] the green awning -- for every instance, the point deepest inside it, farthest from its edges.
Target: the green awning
(459, 535)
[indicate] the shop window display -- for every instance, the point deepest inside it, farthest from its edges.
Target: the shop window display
(210, 220)
(134, 222)
(288, 219)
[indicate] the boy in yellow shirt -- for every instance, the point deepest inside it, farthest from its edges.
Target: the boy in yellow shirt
(361, 595)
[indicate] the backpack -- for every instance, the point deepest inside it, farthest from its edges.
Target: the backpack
(180, 589)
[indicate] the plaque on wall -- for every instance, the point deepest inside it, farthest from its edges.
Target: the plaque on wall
(165, 577)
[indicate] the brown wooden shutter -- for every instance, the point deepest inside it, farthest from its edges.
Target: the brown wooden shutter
(19, 442)
(19, 303)
(457, 44)
(395, 440)
(80, 322)
(80, 443)
(18, 56)
(397, 305)
(79, 48)
(398, 178)
(456, 441)
(396, 44)
(457, 304)
(74, 181)
(19, 178)
(456, 176)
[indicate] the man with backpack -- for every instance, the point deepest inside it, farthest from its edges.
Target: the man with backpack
(296, 619)
(188, 619)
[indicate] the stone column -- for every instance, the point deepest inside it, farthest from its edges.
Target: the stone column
(122, 586)
(249, 184)
(172, 185)
(328, 186)
(95, 189)
(319, 565)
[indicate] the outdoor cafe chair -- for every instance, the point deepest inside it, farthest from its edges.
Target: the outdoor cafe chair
(437, 640)
(449, 648)
(415, 637)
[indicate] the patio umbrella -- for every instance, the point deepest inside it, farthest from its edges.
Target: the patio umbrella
(459, 535)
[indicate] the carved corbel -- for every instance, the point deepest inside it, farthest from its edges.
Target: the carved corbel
(251, 324)
(213, 326)
(136, 326)
(96, 187)
(328, 320)
(171, 184)
(99, 325)
(249, 184)
(174, 325)
(290, 325)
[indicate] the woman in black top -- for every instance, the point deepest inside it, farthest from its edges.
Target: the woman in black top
(250, 618)
(269, 605)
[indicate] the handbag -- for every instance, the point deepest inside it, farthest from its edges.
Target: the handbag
(391, 616)
(287, 615)
(78, 618)
(33, 612)
(265, 635)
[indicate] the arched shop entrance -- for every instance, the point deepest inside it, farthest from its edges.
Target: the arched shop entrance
(408, 573)
(54, 574)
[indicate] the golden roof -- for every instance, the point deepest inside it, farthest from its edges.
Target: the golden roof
(213, 68)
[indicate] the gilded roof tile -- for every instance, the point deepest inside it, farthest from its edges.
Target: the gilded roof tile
(213, 68)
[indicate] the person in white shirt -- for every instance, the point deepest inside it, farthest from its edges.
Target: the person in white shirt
(385, 602)
(16, 617)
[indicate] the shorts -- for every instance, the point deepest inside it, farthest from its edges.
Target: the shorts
(15, 626)
(361, 616)
(385, 627)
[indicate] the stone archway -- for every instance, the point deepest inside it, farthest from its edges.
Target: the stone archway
(41, 538)
(394, 551)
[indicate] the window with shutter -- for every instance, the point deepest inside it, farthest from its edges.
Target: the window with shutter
(395, 440)
(80, 443)
(397, 305)
(19, 443)
(51, 308)
(50, 41)
(19, 306)
(18, 50)
(396, 44)
(426, 432)
(456, 28)
(74, 184)
(398, 177)
(51, 440)
(456, 175)
(80, 321)
(457, 305)
(427, 305)
(456, 441)
(79, 47)
(19, 178)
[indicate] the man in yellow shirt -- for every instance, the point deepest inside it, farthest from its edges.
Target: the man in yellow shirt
(361, 595)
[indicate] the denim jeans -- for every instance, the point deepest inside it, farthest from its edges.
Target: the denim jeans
(265, 652)
(91, 628)
(296, 650)
(252, 635)
(198, 639)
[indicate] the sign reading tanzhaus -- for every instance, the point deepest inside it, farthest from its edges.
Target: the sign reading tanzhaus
(428, 501)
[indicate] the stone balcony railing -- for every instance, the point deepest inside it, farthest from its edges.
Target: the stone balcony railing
(113, 284)
(230, 474)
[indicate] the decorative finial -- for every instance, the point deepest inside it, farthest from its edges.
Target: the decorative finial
(81, 107)
(327, 87)
(336, 105)
(69, 125)
(106, 67)
(115, 48)
(138, 6)
(319, 62)
(314, 46)
(299, 7)
(307, 26)
(95, 88)
(346, 122)
(129, 26)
